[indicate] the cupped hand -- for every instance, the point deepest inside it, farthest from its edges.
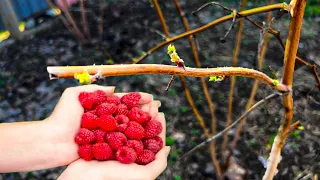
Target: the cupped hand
(64, 124)
(114, 170)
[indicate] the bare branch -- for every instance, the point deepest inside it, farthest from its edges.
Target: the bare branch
(245, 114)
(56, 72)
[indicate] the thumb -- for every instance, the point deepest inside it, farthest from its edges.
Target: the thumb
(160, 163)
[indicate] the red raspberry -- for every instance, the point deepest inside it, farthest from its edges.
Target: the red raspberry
(134, 131)
(86, 100)
(122, 121)
(116, 140)
(122, 109)
(136, 114)
(126, 155)
(136, 145)
(107, 123)
(131, 99)
(100, 134)
(113, 100)
(89, 120)
(159, 140)
(145, 157)
(102, 151)
(105, 108)
(153, 128)
(84, 136)
(151, 145)
(85, 152)
(99, 97)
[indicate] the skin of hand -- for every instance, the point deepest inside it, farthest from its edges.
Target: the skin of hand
(35, 145)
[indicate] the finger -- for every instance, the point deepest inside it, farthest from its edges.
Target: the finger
(161, 118)
(145, 97)
(146, 107)
(160, 163)
(154, 109)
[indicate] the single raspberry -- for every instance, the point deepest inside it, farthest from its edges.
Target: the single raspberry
(86, 100)
(153, 128)
(134, 131)
(151, 145)
(122, 109)
(89, 120)
(131, 99)
(99, 97)
(106, 108)
(122, 121)
(113, 100)
(136, 145)
(137, 115)
(159, 140)
(107, 123)
(100, 134)
(84, 136)
(126, 155)
(85, 152)
(145, 157)
(101, 151)
(116, 140)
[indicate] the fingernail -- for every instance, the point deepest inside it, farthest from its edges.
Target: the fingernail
(152, 97)
(162, 113)
(168, 148)
(158, 103)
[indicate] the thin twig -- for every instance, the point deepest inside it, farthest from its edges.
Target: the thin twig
(233, 79)
(211, 3)
(156, 31)
(64, 21)
(262, 49)
(223, 39)
(170, 82)
(182, 79)
(204, 87)
(161, 17)
(212, 24)
(84, 20)
(71, 20)
(245, 114)
(312, 68)
(294, 126)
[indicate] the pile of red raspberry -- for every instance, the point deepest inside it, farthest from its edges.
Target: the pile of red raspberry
(117, 129)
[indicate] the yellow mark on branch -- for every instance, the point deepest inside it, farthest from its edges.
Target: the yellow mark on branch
(85, 78)
(217, 78)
